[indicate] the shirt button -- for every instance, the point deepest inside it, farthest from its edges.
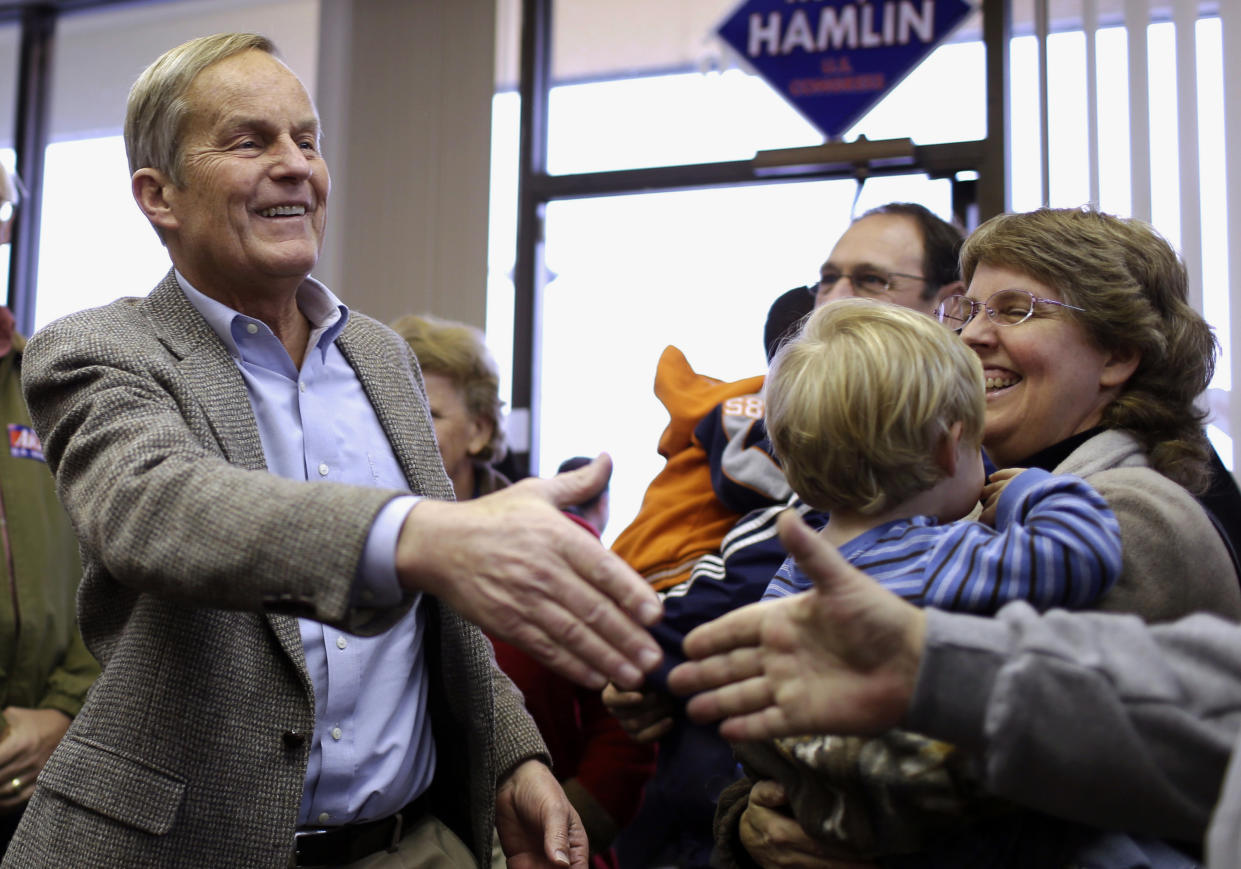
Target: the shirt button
(324, 817)
(323, 469)
(252, 328)
(337, 733)
(341, 642)
(301, 386)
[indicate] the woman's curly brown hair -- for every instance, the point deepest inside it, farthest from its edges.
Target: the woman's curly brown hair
(1133, 289)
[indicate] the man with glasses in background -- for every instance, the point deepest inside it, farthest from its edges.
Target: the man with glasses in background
(899, 253)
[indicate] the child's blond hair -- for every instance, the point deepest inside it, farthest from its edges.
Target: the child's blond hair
(858, 402)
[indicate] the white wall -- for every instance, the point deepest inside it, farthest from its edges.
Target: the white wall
(404, 90)
(405, 96)
(99, 54)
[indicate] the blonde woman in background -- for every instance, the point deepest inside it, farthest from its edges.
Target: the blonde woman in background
(602, 770)
(463, 392)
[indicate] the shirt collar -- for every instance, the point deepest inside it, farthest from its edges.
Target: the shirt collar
(326, 313)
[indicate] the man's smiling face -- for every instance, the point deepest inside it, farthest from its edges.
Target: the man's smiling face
(250, 213)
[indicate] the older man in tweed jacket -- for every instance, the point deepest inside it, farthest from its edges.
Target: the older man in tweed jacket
(288, 675)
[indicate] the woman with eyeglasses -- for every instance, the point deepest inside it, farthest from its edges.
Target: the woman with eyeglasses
(1094, 361)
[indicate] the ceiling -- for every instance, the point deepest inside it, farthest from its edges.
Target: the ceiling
(599, 39)
(602, 39)
(13, 8)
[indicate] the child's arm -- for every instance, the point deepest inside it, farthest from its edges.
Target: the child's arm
(1055, 543)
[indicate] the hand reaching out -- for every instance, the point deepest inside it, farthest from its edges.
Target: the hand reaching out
(514, 565)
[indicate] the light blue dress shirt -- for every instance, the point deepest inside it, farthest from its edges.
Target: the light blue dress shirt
(373, 750)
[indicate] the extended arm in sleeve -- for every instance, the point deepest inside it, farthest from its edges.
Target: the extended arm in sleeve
(1094, 717)
(1056, 543)
(140, 465)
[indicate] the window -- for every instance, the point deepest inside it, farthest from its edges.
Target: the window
(95, 244)
(8, 159)
(698, 269)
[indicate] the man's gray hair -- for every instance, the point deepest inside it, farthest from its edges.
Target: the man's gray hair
(157, 108)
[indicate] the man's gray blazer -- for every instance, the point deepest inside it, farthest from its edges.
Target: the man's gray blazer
(192, 747)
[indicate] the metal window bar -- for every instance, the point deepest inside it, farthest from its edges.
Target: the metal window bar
(1230, 27)
(1185, 22)
(1090, 29)
(1041, 29)
(1137, 19)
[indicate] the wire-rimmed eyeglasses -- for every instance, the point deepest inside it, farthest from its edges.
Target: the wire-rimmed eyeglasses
(1005, 308)
(865, 282)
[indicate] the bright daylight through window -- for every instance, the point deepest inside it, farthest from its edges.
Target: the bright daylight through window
(630, 275)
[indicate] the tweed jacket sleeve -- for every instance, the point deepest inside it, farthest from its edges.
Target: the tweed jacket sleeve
(195, 557)
(146, 425)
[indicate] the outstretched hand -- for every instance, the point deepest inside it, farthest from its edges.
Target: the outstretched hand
(841, 658)
(514, 565)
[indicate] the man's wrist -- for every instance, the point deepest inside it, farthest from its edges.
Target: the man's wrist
(376, 583)
(506, 776)
(954, 677)
(419, 546)
(905, 668)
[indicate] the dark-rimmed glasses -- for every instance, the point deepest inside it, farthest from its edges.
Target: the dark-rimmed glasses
(865, 282)
(1004, 308)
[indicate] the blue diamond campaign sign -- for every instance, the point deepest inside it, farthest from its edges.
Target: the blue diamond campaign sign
(835, 59)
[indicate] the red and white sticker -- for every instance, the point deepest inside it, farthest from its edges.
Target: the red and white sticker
(24, 443)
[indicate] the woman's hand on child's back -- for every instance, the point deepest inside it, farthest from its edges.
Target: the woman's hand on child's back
(991, 493)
